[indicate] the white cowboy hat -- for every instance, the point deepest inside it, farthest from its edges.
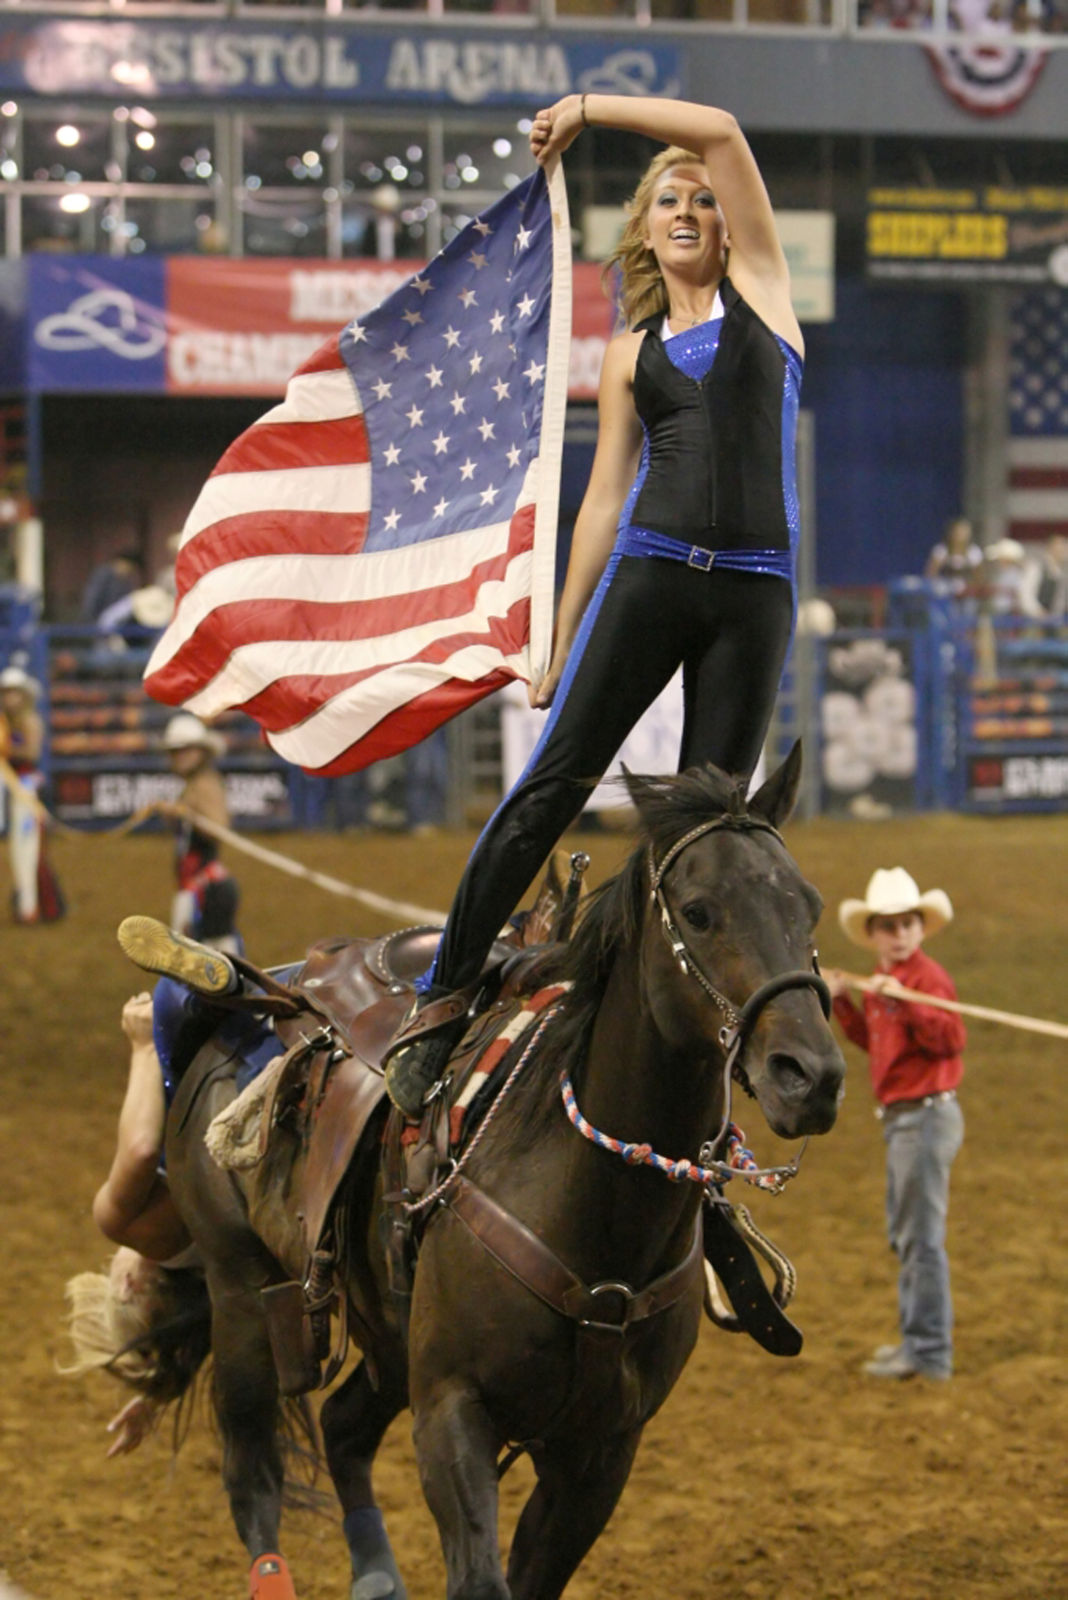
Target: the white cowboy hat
(1005, 550)
(16, 678)
(892, 891)
(152, 606)
(185, 732)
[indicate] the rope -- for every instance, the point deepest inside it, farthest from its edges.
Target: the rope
(1010, 1019)
(740, 1160)
(402, 910)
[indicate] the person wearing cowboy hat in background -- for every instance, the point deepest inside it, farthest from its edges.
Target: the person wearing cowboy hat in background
(36, 896)
(914, 1054)
(205, 906)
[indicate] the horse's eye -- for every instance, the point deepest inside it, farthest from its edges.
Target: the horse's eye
(696, 915)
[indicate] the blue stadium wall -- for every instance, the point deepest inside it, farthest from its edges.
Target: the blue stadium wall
(885, 383)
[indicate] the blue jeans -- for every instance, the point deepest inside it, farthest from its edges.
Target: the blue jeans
(921, 1143)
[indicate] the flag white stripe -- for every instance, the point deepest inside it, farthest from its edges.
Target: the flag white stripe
(354, 712)
(233, 494)
(373, 575)
(252, 668)
(1042, 452)
(316, 397)
(1037, 505)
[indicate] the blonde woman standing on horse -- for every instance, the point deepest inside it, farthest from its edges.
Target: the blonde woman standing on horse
(683, 550)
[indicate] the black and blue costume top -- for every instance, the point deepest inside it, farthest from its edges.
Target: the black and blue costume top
(717, 479)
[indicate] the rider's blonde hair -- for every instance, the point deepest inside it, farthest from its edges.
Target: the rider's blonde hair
(154, 1342)
(642, 291)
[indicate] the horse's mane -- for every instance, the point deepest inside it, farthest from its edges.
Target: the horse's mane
(668, 807)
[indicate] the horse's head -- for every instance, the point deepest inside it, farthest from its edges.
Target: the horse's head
(730, 913)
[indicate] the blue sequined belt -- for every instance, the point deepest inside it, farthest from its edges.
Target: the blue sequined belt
(634, 541)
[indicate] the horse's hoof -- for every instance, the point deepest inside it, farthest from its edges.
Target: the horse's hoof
(269, 1579)
(378, 1585)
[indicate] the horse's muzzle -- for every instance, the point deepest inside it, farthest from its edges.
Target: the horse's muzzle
(800, 1091)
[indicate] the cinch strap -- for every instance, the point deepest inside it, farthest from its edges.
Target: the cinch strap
(635, 541)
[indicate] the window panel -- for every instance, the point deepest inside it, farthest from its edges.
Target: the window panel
(287, 154)
(172, 227)
(68, 142)
(281, 223)
(394, 156)
(46, 225)
(167, 151)
(485, 158)
(399, 233)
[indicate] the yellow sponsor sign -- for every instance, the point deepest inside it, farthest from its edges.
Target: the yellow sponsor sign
(937, 235)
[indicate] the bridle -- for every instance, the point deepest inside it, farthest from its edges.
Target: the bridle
(739, 1023)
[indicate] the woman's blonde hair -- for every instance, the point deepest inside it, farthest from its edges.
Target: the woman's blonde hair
(154, 1342)
(642, 291)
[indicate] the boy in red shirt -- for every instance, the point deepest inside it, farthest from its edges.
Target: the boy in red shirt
(915, 1061)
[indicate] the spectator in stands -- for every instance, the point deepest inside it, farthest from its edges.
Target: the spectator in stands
(205, 906)
(1003, 578)
(139, 615)
(956, 559)
(112, 580)
(36, 896)
(1045, 581)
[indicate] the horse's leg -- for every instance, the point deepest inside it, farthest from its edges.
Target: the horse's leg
(577, 1492)
(246, 1401)
(354, 1419)
(457, 1450)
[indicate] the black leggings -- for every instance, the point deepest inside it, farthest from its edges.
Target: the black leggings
(729, 630)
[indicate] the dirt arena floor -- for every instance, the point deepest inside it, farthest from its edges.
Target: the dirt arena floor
(798, 1478)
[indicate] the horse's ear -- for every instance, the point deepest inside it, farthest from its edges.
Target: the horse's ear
(775, 799)
(634, 785)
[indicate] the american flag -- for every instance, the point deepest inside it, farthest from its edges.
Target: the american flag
(378, 551)
(1038, 415)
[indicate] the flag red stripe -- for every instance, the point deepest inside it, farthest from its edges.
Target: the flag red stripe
(327, 358)
(1037, 532)
(278, 446)
(1038, 478)
(228, 627)
(412, 722)
(261, 533)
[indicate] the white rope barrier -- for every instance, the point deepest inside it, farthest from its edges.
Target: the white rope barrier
(400, 910)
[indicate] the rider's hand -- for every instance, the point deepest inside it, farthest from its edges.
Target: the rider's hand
(133, 1424)
(835, 980)
(137, 1019)
(556, 127)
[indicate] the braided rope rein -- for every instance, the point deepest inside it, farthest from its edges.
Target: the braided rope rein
(740, 1160)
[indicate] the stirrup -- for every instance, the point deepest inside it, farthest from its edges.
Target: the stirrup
(150, 944)
(414, 1070)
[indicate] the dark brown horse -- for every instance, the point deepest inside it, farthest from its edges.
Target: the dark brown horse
(659, 990)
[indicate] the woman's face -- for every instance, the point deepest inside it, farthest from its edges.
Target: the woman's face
(132, 1276)
(685, 228)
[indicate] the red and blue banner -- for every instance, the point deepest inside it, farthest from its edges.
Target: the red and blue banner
(186, 325)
